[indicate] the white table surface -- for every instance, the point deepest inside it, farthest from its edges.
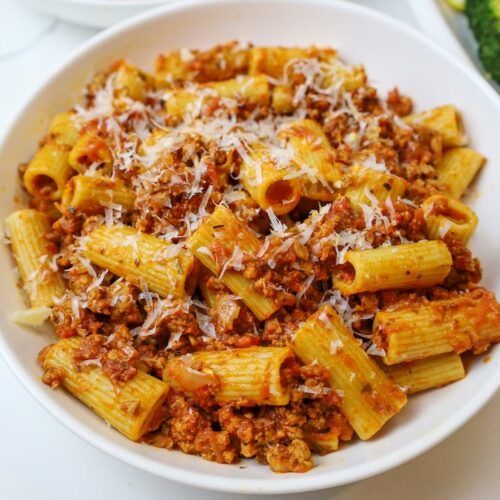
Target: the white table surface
(40, 459)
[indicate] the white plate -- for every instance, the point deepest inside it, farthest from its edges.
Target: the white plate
(393, 54)
(97, 13)
(451, 29)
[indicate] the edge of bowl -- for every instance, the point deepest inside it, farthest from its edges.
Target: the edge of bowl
(293, 483)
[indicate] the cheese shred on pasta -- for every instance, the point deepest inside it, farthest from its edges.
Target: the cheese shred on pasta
(250, 253)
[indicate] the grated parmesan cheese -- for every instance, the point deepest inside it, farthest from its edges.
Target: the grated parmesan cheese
(35, 316)
(317, 391)
(444, 228)
(235, 261)
(336, 346)
(278, 228)
(374, 350)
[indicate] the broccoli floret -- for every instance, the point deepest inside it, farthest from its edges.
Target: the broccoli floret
(484, 20)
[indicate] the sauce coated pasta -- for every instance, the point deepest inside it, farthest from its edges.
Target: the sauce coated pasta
(249, 253)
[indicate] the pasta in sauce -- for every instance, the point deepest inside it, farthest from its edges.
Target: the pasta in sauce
(250, 253)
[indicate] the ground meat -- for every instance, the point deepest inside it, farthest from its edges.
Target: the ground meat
(53, 377)
(123, 305)
(91, 347)
(257, 428)
(366, 100)
(179, 320)
(151, 360)
(120, 365)
(466, 268)
(400, 104)
(66, 324)
(294, 457)
(187, 429)
(410, 222)
(420, 189)
(423, 147)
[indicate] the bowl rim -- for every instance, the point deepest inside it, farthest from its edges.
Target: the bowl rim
(114, 3)
(293, 483)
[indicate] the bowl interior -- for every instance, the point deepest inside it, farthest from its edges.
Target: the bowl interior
(393, 55)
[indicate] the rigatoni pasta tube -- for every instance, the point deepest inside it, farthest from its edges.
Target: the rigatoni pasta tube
(130, 81)
(270, 184)
(49, 169)
(182, 65)
(411, 265)
(90, 149)
(369, 397)
(209, 295)
(272, 61)
(64, 129)
(457, 168)
(428, 373)
(364, 183)
(224, 228)
(27, 230)
(314, 159)
(417, 331)
(347, 78)
(129, 408)
(444, 120)
(252, 90)
(248, 376)
(282, 99)
(91, 194)
(445, 216)
(138, 256)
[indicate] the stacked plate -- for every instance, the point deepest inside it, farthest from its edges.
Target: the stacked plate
(97, 13)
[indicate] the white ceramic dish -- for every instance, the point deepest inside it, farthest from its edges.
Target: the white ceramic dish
(393, 54)
(95, 13)
(449, 28)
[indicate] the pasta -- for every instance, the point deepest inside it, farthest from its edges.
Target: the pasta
(364, 184)
(250, 376)
(49, 169)
(129, 253)
(445, 121)
(417, 331)
(250, 253)
(427, 373)
(446, 216)
(131, 82)
(313, 157)
(88, 150)
(369, 398)
(91, 194)
(252, 90)
(414, 265)
(131, 411)
(272, 60)
(224, 229)
(27, 230)
(270, 185)
(457, 168)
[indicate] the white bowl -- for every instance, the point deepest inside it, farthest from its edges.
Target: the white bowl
(394, 55)
(450, 29)
(96, 13)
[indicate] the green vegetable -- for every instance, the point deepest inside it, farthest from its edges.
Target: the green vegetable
(484, 20)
